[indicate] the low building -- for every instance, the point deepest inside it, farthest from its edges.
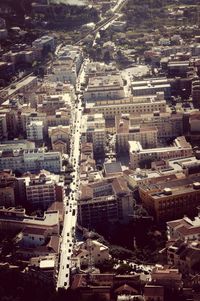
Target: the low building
(90, 252)
(146, 135)
(138, 155)
(184, 255)
(166, 277)
(14, 219)
(184, 229)
(153, 292)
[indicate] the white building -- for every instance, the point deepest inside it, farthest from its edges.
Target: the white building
(94, 131)
(90, 252)
(181, 148)
(45, 42)
(31, 160)
(34, 131)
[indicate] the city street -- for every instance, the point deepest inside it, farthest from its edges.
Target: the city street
(68, 234)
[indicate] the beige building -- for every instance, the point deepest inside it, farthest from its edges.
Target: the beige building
(60, 138)
(180, 148)
(94, 131)
(111, 108)
(105, 87)
(168, 125)
(147, 136)
(90, 252)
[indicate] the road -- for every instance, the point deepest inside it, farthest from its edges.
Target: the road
(68, 233)
(106, 20)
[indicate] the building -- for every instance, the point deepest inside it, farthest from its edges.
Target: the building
(168, 199)
(30, 160)
(60, 138)
(34, 131)
(45, 43)
(138, 155)
(108, 200)
(153, 292)
(3, 127)
(168, 125)
(43, 190)
(146, 135)
(184, 229)
(9, 145)
(65, 69)
(166, 277)
(184, 255)
(151, 86)
(90, 252)
(24, 86)
(94, 131)
(104, 88)
(12, 189)
(13, 219)
(112, 107)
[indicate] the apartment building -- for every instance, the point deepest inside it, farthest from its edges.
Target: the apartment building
(9, 145)
(43, 189)
(105, 87)
(3, 127)
(138, 155)
(34, 131)
(146, 135)
(168, 199)
(51, 103)
(94, 131)
(129, 105)
(185, 229)
(14, 219)
(30, 160)
(107, 200)
(46, 43)
(168, 125)
(61, 117)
